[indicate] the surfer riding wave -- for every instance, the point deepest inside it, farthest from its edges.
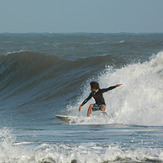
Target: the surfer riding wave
(97, 94)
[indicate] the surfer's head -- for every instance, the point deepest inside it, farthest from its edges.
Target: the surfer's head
(94, 86)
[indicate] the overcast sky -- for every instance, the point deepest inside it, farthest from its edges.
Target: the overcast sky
(106, 16)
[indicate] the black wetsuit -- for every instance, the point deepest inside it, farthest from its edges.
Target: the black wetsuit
(98, 96)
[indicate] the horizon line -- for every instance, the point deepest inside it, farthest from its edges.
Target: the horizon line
(81, 32)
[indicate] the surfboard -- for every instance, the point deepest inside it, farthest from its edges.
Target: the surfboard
(64, 118)
(73, 119)
(70, 119)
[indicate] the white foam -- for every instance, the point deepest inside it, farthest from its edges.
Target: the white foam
(61, 153)
(139, 101)
(15, 51)
(122, 41)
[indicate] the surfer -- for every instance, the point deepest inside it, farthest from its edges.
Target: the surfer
(97, 94)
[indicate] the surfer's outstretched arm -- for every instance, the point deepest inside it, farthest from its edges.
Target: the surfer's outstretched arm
(110, 88)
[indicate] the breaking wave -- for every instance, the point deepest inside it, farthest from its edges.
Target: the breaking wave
(139, 101)
(10, 151)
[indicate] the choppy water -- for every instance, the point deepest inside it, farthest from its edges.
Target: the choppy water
(46, 74)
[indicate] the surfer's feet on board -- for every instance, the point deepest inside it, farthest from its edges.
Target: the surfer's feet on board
(104, 113)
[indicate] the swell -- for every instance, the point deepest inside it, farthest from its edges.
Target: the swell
(33, 79)
(27, 67)
(32, 83)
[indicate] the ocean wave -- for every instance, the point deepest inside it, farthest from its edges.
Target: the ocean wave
(29, 79)
(16, 51)
(19, 67)
(26, 60)
(62, 153)
(138, 102)
(95, 43)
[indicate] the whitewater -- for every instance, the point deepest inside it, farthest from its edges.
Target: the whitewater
(46, 74)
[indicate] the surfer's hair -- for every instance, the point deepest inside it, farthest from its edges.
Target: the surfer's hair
(95, 85)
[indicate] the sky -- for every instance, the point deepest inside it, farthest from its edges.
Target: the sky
(69, 16)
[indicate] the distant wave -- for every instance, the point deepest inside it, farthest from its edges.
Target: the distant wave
(13, 52)
(95, 43)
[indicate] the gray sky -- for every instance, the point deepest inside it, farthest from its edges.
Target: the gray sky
(107, 16)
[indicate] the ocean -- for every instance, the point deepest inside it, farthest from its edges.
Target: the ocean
(44, 74)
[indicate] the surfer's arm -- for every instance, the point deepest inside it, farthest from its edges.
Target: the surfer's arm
(85, 101)
(110, 88)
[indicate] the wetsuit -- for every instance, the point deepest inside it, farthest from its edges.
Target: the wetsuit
(98, 96)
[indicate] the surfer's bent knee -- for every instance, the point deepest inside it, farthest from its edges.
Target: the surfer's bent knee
(91, 106)
(103, 107)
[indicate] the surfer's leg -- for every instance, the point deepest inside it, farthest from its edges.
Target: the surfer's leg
(103, 107)
(89, 110)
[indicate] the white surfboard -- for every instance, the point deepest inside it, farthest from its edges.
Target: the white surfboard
(64, 118)
(73, 119)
